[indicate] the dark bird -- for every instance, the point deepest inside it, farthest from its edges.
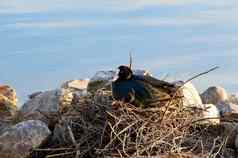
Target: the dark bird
(139, 90)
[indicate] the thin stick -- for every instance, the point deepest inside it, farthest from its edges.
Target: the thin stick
(52, 149)
(61, 154)
(130, 64)
(190, 79)
(200, 120)
(125, 129)
(73, 140)
(203, 73)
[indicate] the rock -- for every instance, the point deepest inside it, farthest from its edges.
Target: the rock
(9, 92)
(8, 102)
(229, 153)
(46, 105)
(102, 79)
(78, 88)
(76, 85)
(18, 141)
(65, 100)
(103, 76)
(214, 95)
(33, 95)
(61, 133)
(190, 94)
(226, 107)
(229, 129)
(236, 141)
(211, 111)
(233, 99)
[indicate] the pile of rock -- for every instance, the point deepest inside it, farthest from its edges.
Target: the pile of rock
(39, 114)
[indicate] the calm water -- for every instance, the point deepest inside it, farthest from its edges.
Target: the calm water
(45, 43)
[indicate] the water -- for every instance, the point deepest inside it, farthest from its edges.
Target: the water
(45, 43)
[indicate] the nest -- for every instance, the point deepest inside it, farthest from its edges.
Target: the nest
(98, 126)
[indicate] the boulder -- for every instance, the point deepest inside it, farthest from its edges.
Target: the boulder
(8, 102)
(46, 105)
(33, 95)
(103, 76)
(78, 88)
(214, 95)
(102, 79)
(76, 85)
(19, 140)
(211, 114)
(233, 99)
(226, 107)
(190, 95)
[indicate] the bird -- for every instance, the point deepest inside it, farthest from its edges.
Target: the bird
(139, 90)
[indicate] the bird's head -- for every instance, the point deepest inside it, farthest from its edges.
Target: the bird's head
(124, 73)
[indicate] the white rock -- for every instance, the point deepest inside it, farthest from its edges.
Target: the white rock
(211, 111)
(76, 84)
(103, 76)
(77, 88)
(214, 95)
(18, 141)
(191, 95)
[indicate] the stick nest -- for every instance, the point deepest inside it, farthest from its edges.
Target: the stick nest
(98, 126)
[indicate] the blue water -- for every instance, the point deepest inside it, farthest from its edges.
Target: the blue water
(44, 44)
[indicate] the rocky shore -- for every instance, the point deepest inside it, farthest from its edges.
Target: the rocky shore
(24, 131)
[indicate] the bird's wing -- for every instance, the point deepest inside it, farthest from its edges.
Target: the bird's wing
(157, 83)
(167, 87)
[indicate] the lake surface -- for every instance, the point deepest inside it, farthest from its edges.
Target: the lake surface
(45, 43)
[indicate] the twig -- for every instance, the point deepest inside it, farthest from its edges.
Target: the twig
(203, 73)
(221, 146)
(73, 140)
(176, 91)
(130, 64)
(52, 149)
(61, 154)
(125, 129)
